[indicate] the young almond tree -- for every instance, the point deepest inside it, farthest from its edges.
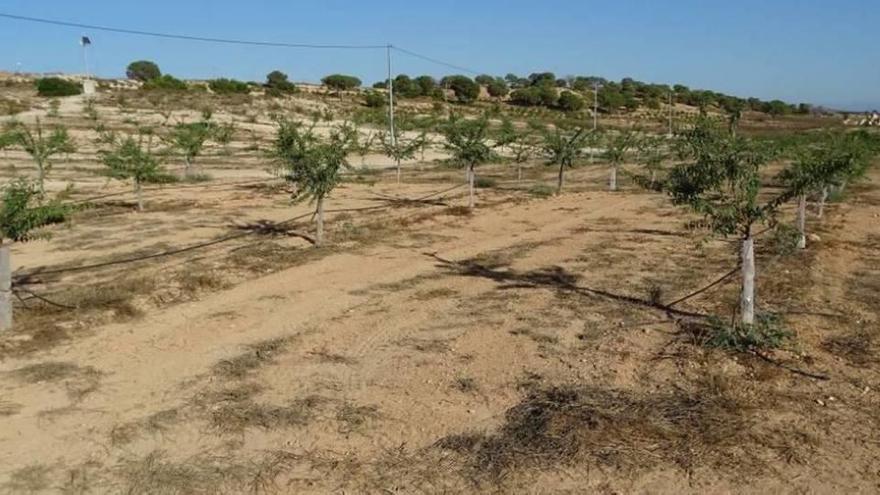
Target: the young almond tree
(563, 148)
(652, 154)
(721, 180)
(615, 152)
(312, 163)
(363, 144)
(132, 159)
(19, 217)
(467, 141)
(39, 145)
(829, 163)
(189, 140)
(521, 144)
(400, 148)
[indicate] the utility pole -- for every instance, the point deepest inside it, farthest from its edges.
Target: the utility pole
(595, 119)
(390, 97)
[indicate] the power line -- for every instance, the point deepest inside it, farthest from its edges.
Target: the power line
(227, 41)
(434, 60)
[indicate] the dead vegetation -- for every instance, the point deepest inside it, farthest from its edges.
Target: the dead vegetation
(711, 425)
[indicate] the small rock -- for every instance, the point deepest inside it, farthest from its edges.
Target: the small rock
(814, 238)
(470, 411)
(820, 402)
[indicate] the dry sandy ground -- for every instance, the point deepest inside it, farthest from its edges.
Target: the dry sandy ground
(427, 350)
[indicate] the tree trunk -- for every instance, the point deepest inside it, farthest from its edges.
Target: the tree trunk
(823, 196)
(319, 220)
(471, 186)
(802, 221)
(398, 172)
(41, 178)
(561, 179)
(519, 171)
(747, 297)
(5, 289)
(139, 194)
(653, 178)
(187, 170)
(612, 183)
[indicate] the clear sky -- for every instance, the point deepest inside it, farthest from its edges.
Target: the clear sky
(816, 51)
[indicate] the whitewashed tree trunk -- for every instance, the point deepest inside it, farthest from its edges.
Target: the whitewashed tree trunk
(747, 297)
(319, 223)
(653, 178)
(802, 221)
(187, 168)
(41, 178)
(519, 171)
(5, 289)
(612, 183)
(823, 197)
(398, 172)
(471, 186)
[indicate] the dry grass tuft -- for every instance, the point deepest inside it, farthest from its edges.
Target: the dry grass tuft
(236, 417)
(859, 348)
(29, 479)
(256, 356)
(353, 418)
(78, 380)
(709, 426)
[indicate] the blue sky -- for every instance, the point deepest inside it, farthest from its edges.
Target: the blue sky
(823, 52)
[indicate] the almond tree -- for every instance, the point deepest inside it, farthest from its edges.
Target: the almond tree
(721, 180)
(39, 145)
(468, 142)
(520, 143)
(652, 154)
(816, 168)
(400, 148)
(311, 163)
(563, 148)
(189, 140)
(19, 218)
(132, 159)
(615, 152)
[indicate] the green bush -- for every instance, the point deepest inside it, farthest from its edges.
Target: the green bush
(570, 102)
(542, 191)
(277, 81)
(228, 86)
(484, 182)
(497, 88)
(143, 70)
(374, 99)
(465, 89)
(766, 333)
(341, 82)
(165, 82)
(55, 86)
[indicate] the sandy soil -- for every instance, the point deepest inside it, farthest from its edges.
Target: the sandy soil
(425, 349)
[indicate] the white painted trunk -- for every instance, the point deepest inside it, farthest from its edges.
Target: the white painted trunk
(612, 183)
(5, 289)
(802, 221)
(319, 223)
(187, 169)
(519, 171)
(823, 197)
(398, 172)
(747, 297)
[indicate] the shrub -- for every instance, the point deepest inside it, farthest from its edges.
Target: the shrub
(570, 102)
(497, 88)
(19, 215)
(143, 70)
(166, 82)
(55, 86)
(465, 89)
(278, 81)
(228, 86)
(374, 99)
(766, 333)
(541, 191)
(341, 82)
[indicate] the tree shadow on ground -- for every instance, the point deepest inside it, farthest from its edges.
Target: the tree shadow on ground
(553, 277)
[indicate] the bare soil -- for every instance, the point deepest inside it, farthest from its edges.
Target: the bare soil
(205, 346)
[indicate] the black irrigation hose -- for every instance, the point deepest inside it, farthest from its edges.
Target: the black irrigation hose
(162, 254)
(697, 292)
